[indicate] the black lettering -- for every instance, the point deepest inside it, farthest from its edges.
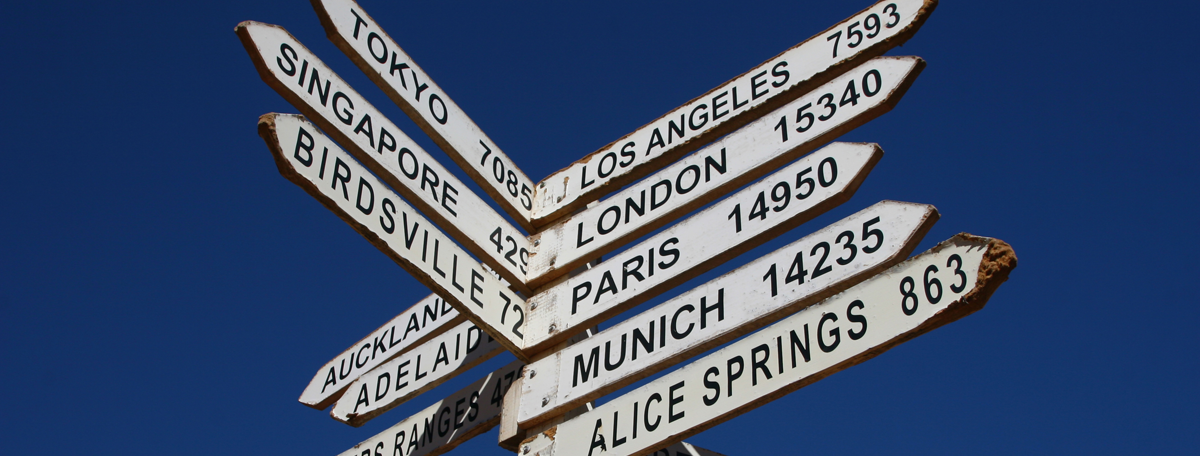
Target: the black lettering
(343, 115)
(389, 209)
(581, 371)
(597, 439)
(381, 392)
(358, 21)
(371, 39)
(386, 141)
(428, 175)
(710, 164)
(314, 81)
(600, 228)
(737, 105)
(719, 307)
(628, 152)
(635, 271)
(362, 183)
(663, 251)
(679, 187)
(433, 112)
(775, 71)
(340, 166)
(647, 343)
(759, 364)
(714, 386)
(584, 182)
(404, 169)
(579, 241)
(656, 139)
(369, 130)
(631, 207)
(646, 415)
(409, 236)
(363, 398)
(730, 375)
(606, 284)
(673, 129)
(611, 167)
(703, 117)
(671, 401)
(284, 49)
(755, 84)
(300, 139)
(716, 106)
(675, 320)
(476, 278)
(654, 201)
(835, 333)
(850, 315)
(803, 346)
(608, 365)
(576, 297)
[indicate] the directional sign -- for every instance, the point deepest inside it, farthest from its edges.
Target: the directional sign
(413, 373)
(345, 187)
(750, 297)
(413, 327)
(310, 86)
(779, 80)
(460, 417)
(789, 197)
(382, 59)
(950, 281)
(764, 145)
(442, 426)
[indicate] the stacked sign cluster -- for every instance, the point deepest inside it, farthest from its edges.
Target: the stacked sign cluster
(825, 302)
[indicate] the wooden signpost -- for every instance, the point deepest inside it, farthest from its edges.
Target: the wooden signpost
(952, 280)
(427, 319)
(414, 372)
(382, 59)
(789, 197)
(314, 89)
(335, 179)
(781, 79)
(827, 301)
(762, 291)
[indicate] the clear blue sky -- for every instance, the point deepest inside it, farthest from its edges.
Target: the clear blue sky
(164, 291)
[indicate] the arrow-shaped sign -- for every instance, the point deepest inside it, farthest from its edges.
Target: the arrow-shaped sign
(461, 416)
(748, 298)
(781, 136)
(952, 280)
(314, 89)
(429, 318)
(781, 79)
(448, 423)
(345, 187)
(414, 372)
(791, 196)
(382, 59)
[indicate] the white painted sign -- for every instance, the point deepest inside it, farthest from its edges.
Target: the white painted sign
(382, 59)
(428, 318)
(781, 136)
(443, 426)
(345, 187)
(779, 80)
(795, 194)
(310, 86)
(952, 280)
(410, 374)
(780, 283)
